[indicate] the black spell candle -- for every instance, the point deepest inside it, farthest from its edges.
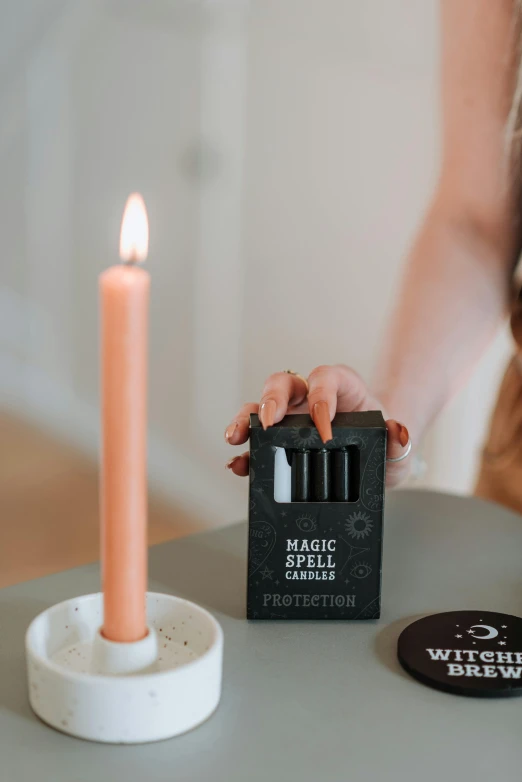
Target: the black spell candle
(322, 477)
(341, 475)
(301, 475)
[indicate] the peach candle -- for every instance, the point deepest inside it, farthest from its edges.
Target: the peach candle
(124, 298)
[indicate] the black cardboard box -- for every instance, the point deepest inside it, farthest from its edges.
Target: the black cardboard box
(317, 560)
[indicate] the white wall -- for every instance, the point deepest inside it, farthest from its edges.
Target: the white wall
(286, 150)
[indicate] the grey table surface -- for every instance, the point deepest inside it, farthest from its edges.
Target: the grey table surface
(302, 701)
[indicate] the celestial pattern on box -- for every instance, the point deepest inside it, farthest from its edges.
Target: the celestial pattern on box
(317, 560)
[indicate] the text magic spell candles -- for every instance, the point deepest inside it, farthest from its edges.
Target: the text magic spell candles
(124, 299)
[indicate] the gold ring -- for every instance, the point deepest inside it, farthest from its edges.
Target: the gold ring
(296, 374)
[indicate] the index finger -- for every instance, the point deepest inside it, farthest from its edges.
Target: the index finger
(281, 390)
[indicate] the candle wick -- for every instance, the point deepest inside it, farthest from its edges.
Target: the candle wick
(133, 260)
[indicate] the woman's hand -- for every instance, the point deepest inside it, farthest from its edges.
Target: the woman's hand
(331, 389)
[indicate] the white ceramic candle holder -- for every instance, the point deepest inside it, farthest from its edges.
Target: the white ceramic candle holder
(85, 685)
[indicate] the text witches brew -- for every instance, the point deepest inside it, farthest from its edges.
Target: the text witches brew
(467, 662)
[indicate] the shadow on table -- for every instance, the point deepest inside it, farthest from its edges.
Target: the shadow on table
(201, 570)
(15, 617)
(386, 644)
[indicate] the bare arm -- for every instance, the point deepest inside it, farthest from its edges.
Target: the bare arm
(457, 281)
(456, 285)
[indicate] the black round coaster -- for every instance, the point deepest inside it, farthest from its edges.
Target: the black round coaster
(474, 653)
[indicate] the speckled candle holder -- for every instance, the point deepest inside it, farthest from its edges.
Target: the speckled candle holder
(164, 685)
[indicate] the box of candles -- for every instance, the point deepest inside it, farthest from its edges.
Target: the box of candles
(316, 518)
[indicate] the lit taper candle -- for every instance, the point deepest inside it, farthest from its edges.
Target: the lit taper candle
(124, 300)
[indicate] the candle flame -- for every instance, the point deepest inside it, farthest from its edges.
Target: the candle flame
(134, 237)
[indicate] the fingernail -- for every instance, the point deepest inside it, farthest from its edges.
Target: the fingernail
(404, 436)
(267, 413)
(230, 430)
(231, 463)
(321, 416)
